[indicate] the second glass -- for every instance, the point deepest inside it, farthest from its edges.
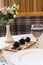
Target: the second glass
(36, 30)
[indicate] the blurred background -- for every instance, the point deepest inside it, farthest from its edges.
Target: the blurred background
(25, 5)
(30, 12)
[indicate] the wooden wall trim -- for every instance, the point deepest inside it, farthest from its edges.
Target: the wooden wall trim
(30, 14)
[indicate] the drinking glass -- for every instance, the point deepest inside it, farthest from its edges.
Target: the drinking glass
(36, 30)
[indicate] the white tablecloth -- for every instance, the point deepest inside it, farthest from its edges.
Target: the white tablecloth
(16, 38)
(8, 54)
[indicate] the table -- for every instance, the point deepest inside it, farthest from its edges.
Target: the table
(8, 54)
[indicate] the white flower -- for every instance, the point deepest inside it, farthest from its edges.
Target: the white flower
(14, 16)
(17, 7)
(13, 6)
(16, 13)
(12, 12)
(8, 8)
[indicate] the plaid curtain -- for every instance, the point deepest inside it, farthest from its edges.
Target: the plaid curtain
(22, 25)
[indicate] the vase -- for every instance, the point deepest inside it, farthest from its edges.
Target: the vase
(9, 38)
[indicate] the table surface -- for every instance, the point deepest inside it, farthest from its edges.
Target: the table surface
(8, 54)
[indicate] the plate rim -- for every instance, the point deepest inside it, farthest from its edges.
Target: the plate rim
(24, 51)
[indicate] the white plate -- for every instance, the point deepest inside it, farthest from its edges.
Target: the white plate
(28, 57)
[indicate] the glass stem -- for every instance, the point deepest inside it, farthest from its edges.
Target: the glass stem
(37, 43)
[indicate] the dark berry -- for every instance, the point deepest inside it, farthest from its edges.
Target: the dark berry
(27, 39)
(16, 44)
(22, 41)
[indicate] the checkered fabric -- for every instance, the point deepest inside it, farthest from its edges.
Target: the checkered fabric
(22, 25)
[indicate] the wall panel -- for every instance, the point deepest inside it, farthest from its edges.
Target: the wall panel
(25, 5)
(39, 5)
(31, 5)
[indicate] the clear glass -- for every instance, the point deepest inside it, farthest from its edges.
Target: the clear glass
(36, 30)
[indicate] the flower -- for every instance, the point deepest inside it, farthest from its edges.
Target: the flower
(8, 14)
(4, 11)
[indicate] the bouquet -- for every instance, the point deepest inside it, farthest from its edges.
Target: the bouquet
(8, 14)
